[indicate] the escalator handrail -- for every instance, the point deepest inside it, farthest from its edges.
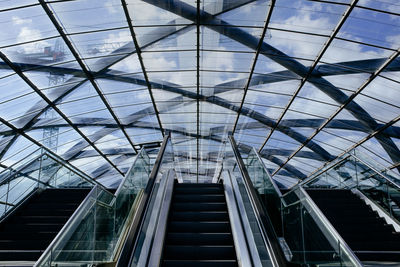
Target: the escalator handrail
(131, 239)
(267, 228)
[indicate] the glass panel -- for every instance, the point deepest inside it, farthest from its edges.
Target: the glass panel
(94, 231)
(297, 221)
(38, 169)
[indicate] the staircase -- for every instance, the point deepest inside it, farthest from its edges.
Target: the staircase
(26, 233)
(364, 231)
(198, 231)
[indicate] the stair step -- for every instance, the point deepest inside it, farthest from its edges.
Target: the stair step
(361, 227)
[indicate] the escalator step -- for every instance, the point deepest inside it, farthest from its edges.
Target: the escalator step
(203, 206)
(199, 253)
(199, 198)
(27, 232)
(199, 232)
(200, 191)
(361, 227)
(199, 227)
(197, 185)
(199, 239)
(200, 216)
(18, 255)
(200, 263)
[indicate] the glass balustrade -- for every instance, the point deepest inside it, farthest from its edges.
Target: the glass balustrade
(356, 171)
(299, 224)
(93, 233)
(39, 170)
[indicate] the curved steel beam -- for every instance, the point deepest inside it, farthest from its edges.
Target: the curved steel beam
(189, 12)
(103, 64)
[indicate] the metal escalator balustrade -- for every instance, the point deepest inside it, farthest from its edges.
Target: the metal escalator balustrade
(95, 231)
(200, 224)
(260, 228)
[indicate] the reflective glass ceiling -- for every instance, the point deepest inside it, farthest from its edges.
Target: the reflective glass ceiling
(301, 81)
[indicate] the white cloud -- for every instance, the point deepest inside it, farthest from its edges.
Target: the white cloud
(394, 40)
(28, 34)
(111, 6)
(18, 21)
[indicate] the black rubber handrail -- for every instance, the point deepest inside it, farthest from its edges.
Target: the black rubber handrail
(131, 240)
(267, 228)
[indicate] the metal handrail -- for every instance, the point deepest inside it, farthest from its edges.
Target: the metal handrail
(329, 227)
(267, 229)
(51, 155)
(12, 165)
(130, 243)
(377, 172)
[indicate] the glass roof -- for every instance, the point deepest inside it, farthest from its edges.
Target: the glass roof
(301, 81)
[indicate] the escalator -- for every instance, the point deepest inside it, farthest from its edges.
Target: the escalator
(198, 231)
(366, 233)
(29, 230)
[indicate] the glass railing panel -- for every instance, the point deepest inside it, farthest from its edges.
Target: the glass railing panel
(357, 171)
(93, 232)
(41, 170)
(267, 190)
(134, 182)
(310, 236)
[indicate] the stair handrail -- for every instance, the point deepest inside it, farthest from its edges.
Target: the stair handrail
(266, 227)
(326, 223)
(339, 160)
(44, 152)
(377, 172)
